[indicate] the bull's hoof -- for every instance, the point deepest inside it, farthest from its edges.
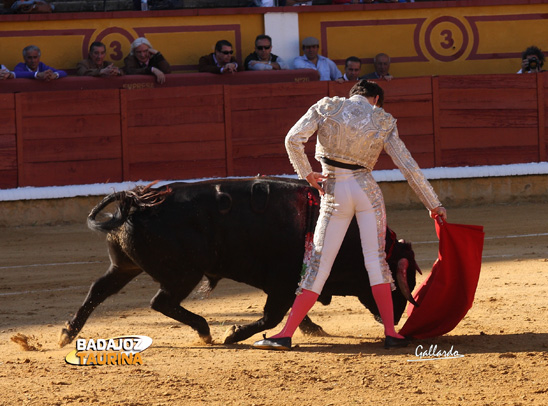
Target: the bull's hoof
(228, 336)
(66, 337)
(313, 330)
(206, 338)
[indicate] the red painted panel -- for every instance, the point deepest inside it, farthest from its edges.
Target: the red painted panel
(506, 98)
(193, 152)
(72, 149)
(458, 138)
(72, 173)
(174, 115)
(8, 179)
(410, 108)
(84, 126)
(176, 170)
(415, 125)
(176, 133)
(8, 159)
(513, 81)
(70, 103)
(496, 156)
(488, 119)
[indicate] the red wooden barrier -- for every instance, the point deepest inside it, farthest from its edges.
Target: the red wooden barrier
(106, 135)
(8, 151)
(68, 137)
(174, 133)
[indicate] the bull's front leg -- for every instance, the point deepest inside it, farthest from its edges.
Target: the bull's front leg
(275, 309)
(167, 301)
(108, 284)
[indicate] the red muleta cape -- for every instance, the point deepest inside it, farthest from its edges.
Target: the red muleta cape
(447, 293)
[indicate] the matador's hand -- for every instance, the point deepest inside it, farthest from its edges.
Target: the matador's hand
(313, 178)
(440, 212)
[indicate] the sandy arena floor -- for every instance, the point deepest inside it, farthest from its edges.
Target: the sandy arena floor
(45, 272)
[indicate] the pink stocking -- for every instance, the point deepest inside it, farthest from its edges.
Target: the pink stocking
(383, 297)
(302, 304)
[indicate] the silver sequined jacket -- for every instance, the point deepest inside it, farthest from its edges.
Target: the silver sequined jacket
(350, 130)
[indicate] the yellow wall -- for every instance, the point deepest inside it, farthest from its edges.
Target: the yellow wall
(421, 38)
(499, 34)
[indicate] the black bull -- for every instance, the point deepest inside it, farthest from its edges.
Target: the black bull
(248, 230)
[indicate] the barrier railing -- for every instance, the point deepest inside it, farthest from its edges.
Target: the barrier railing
(83, 133)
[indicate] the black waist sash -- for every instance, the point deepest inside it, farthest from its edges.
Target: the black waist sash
(341, 164)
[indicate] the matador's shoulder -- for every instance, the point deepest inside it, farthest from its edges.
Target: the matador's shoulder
(382, 120)
(330, 105)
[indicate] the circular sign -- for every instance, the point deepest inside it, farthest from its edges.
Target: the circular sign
(446, 38)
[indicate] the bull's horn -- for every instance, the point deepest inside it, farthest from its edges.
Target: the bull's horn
(401, 278)
(418, 269)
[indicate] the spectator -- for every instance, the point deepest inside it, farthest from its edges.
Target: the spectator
(145, 60)
(263, 58)
(532, 60)
(5, 73)
(352, 67)
(220, 61)
(95, 64)
(311, 60)
(33, 68)
(382, 66)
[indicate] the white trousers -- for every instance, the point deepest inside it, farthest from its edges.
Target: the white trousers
(347, 194)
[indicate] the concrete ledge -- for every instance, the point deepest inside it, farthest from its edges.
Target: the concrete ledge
(397, 195)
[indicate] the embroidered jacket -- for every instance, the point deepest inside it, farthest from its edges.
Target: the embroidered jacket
(352, 131)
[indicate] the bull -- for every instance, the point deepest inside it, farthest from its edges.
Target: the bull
(249, 230)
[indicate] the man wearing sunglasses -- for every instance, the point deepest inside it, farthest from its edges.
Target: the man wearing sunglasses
(311, 60)
(263, 58)
(220, 61)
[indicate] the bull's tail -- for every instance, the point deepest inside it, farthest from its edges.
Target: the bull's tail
(139, 198)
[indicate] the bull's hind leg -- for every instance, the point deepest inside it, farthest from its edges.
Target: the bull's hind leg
(167, 301)
(108, 284)
(275, 309)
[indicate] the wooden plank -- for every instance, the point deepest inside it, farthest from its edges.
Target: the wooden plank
(454, 138)
(19, 138)
(176, 133)
(496, 156)
(53, 128)
(8, 159)
(7, 121)
(488, 118)
(175, 116)
(518, 82)
(228, 130)
(425, 160)
(280, 89)
(436, 121)
(302, 102)
(177, 152)
(415, 125)
(72, 149)
(542, 145)
(70, 103)
(506, 98)
(170, 93)
(124, 133)
(421, 109)
(177, 170)
(179, 99)
(406, 86)
(8, 179)
(252, 166)
(71, 173)
(253, 124)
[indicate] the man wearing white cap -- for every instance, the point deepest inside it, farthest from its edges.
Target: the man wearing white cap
(311, 60)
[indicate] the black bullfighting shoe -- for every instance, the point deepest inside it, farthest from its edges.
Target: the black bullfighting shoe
(394, 342)
(282, 343)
